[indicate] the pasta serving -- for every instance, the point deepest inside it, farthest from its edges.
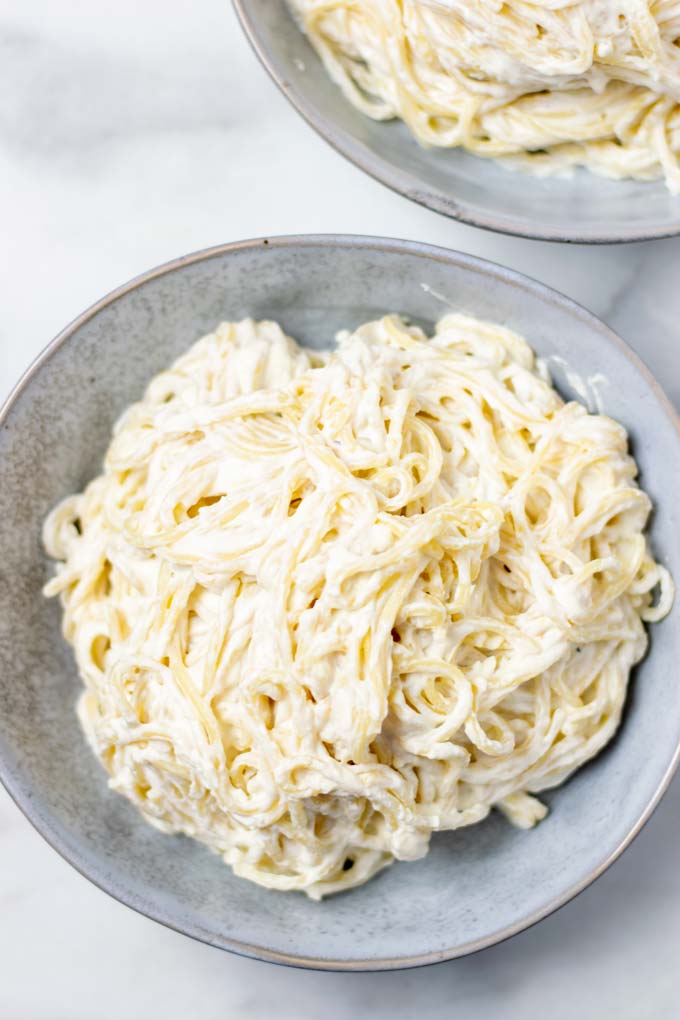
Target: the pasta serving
(544, 84)
(325, 604)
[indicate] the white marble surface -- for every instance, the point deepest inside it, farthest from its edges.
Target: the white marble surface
(131, 133)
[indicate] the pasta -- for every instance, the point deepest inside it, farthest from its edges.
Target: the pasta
(545, 85)
(325, 604)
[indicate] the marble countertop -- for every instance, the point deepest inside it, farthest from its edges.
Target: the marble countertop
(134, 132)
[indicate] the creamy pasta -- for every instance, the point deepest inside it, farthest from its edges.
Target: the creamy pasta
(326, 604)
(547, 84)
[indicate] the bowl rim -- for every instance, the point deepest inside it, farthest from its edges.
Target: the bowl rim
(401, 182)
(42, 823)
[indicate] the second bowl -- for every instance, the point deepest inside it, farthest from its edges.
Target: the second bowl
(582, 208)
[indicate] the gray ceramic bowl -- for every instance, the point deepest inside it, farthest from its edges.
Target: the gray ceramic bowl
(584, 208)
(477, 885)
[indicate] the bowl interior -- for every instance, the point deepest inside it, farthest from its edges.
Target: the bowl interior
(476, 884)
(582, 207)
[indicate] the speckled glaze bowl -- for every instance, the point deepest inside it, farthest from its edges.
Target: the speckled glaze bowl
(582, 208)
(477, 885)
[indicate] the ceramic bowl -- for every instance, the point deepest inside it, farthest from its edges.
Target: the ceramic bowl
(477, 885)
(582, 208)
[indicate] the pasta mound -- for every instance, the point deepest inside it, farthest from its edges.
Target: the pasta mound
(545, 85)
(325, 604)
